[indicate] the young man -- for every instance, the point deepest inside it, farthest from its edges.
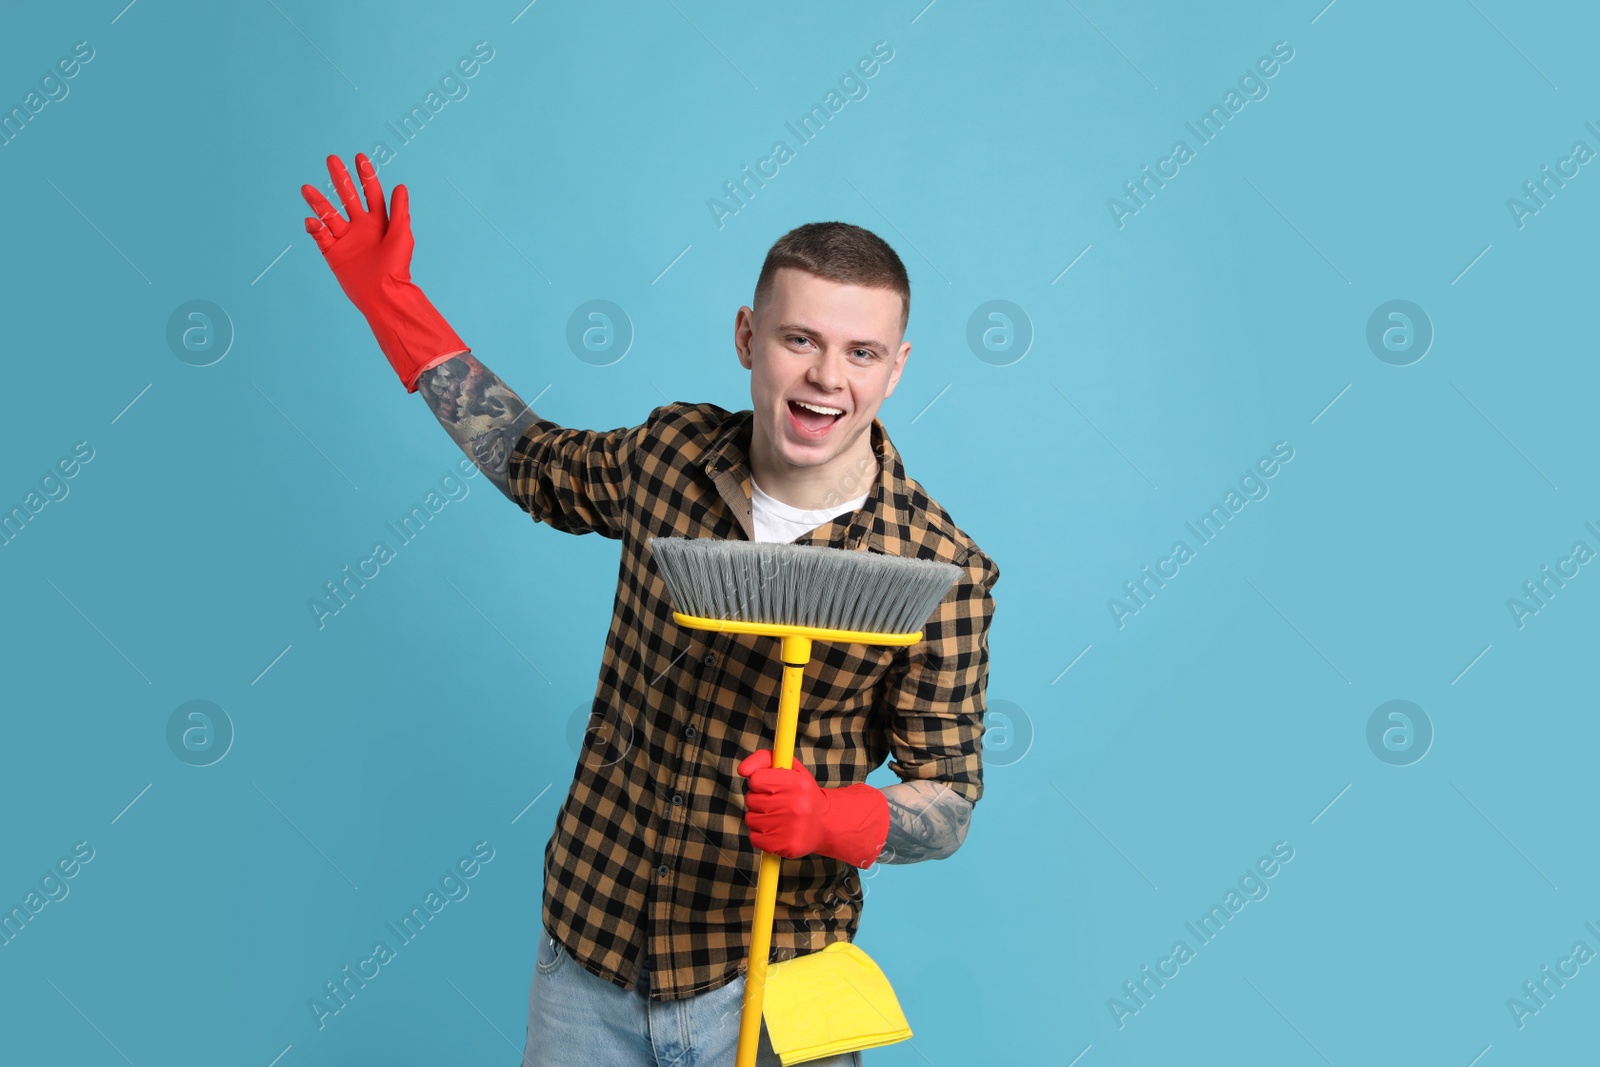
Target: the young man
(650, 875)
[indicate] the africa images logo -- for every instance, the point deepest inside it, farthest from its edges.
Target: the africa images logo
(1207, 128)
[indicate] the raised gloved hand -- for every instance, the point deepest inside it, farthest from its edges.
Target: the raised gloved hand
(790, 814)
(370, 255)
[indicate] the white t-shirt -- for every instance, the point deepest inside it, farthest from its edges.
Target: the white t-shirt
(777, 521)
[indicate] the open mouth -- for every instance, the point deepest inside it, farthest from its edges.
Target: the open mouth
(810, 422)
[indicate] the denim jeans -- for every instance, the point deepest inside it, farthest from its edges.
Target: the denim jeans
(578, 1019)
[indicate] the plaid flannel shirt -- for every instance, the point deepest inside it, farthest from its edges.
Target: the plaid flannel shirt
(650, 854)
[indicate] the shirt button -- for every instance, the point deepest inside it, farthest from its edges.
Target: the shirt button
(711, 659)
(662, 870)
(689, 732)
(677, 798)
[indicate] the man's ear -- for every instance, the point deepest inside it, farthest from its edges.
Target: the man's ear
(899, 368)
(743, 332)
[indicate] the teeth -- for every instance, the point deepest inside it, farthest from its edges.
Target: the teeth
(820, 410)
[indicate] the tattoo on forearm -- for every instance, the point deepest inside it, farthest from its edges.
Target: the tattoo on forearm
(478, 411)
(927, 821)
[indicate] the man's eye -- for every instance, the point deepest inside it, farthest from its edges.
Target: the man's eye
(867, 352)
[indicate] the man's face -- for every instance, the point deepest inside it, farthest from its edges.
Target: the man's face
(835, 346)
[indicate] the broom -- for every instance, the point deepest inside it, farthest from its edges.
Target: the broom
(799, 593)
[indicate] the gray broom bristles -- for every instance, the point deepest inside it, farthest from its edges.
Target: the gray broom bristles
(801, 585)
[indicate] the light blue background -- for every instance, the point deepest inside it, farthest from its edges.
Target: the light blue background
(1228, 314)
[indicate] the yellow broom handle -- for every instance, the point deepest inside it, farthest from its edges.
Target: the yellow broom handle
(796, 654)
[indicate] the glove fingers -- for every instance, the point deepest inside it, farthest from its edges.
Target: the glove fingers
(371, 187)
(769, 824)
(324, 210)
(344, 187)
(400, 211)
(320, 234)
(774, 778)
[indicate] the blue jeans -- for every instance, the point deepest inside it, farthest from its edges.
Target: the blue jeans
(578, 1019)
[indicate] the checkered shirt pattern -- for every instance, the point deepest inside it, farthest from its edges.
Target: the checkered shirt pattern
(650, 857)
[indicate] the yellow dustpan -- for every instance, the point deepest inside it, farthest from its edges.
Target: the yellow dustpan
(828, 1002)
(835, 1000)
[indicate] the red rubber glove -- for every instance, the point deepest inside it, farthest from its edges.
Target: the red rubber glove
(370, 255)
(790, 814)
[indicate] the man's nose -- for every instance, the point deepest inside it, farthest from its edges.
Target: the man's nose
(827, 370)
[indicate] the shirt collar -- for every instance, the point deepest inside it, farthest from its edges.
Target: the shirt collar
(886, 507)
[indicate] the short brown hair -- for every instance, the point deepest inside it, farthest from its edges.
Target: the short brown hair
(840, 252)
